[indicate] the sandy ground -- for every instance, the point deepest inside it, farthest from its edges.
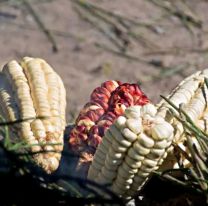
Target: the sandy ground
(84, 66)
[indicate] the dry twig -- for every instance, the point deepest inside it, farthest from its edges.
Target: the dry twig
(41, 25)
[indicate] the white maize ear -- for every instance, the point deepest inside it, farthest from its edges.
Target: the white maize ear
(30, 90)
(132, 148)
(192, 94)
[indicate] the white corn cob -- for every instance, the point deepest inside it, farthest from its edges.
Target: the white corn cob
(32, 89)
(192, 95)
(133, 147)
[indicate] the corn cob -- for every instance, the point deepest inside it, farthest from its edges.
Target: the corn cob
(191, 95)
(106, 104)
(134, 146)
(30, 90)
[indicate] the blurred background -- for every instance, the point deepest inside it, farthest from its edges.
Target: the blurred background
(155, 43)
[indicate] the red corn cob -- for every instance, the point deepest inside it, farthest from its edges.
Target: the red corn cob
(106, 103)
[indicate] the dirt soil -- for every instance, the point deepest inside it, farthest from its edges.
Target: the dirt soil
(175, 48)
(163, 42)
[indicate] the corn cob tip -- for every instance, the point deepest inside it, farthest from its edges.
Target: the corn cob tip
(140, 148)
